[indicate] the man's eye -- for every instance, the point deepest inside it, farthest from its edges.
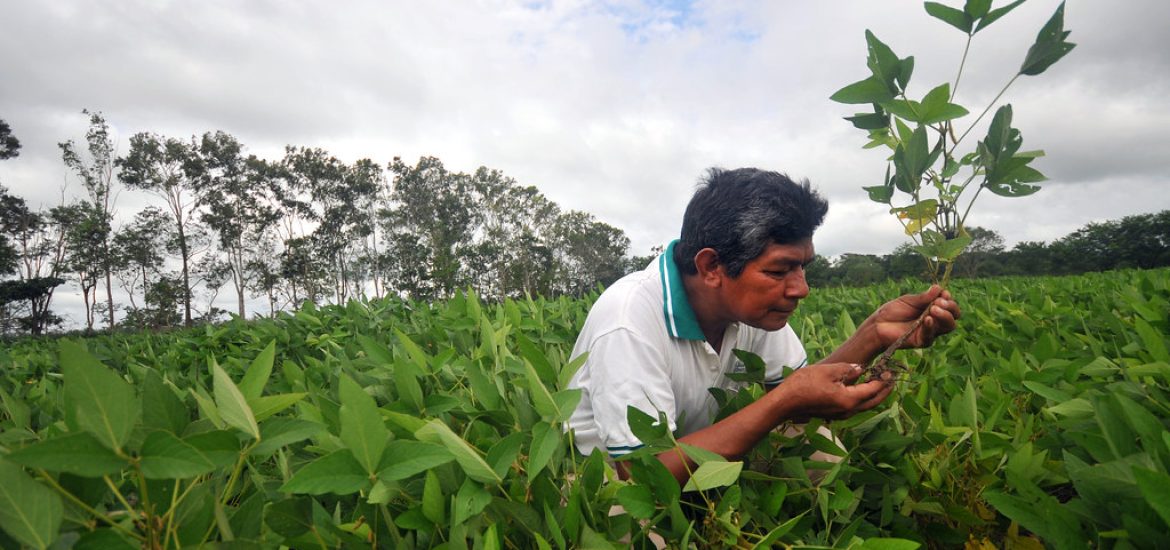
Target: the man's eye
(778, 274)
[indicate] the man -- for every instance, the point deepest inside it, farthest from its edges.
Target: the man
(659, 338)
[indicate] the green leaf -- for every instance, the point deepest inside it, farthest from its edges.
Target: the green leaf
(252, 386)
(882, 62)
(1155, 488)
(433, 505)
(230, 403)
(266, 406)
(537, 359)
(1075, 408)
(870, 90)
(161, 408)
(336, 472)
(566, 401)
(221, 447)
(976, 8)
(420, 357)
(1049, 47)
(468, 457)
(504, 452)
(362, 428)
(937, 107)
(888, 544)
(404, 458)
(76, 453)
(541, 398)
(105, 404)
(951, 16)
(995, 14)
(700, 455)
(30, 512)
(290, 518)
(950, 249)
(469, 502)
(638, 501)
(165, 456)
(869, 121)
(281, 432)
(545, 440)
(714, 474)
(880, 193)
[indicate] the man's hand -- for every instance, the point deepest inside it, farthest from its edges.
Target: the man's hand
(826, 390)
(894, 318)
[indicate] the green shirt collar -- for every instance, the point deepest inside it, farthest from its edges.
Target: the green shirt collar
(680, 318)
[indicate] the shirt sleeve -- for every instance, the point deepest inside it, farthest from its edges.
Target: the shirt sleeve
(779, 349)
(626, 371)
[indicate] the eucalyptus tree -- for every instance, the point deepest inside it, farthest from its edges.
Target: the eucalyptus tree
(40, 241)
(587, 253)
(168, 168)
(141, 248)
(9, 145)
(511, 256)
(239, 209)
(87, 234)
(429, 226)
(95, 168)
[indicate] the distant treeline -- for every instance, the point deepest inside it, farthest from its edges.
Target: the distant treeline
(305, 227)
(1141, 241)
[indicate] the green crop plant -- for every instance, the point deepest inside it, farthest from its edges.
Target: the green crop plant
(930, 184)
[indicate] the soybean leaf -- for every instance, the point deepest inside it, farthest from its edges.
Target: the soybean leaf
(714, 474)
(433, 505)
(700, 455)
(252, 385)
(420, 357)
(362, 429)
(30, 512)
(882, 62)
(231, 404)
(1050, 45)
(265, 406)
(545, 439)
(637, 500)
(468, 457)
(870, 90)
(165, 456)
(161, 408)
(541, 398)
(104, 539)
(336, 472)
(951, 16)
(281, 432)
(504, 452)
(537, 359)
(76, 453)
(566, 401)
(290, 518)
(1155, 488)
(105, 404)
(995, 14)
(221, 447)
(888, 544)
(471, 499)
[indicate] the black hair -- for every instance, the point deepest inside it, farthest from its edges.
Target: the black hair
(740, 212)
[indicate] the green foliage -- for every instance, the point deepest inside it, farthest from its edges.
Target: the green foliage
(926, 170)
(1049, 428)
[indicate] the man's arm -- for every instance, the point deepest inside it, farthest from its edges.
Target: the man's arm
(893, 319)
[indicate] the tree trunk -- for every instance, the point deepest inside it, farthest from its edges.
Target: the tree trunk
(186, 277)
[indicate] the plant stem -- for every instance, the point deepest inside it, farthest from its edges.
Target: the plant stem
(984, 113)
(89, 509)
(962, 64)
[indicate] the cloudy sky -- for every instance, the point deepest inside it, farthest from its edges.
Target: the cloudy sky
(615, 107)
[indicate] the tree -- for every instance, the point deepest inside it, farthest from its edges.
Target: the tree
(235, 192)
(97, 174)
(510, 256)
(428, 228)
(980, 257)
(859, 269)
(9, 145)
(87, 228)
(40, 244)
(586, 253)
(167, 168)
(140, 249)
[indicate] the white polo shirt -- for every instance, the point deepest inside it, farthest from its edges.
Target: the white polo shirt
(646, 349)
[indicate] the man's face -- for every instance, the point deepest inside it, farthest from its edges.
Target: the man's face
(766, 293)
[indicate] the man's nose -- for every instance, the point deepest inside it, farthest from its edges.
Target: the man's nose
(797, 285)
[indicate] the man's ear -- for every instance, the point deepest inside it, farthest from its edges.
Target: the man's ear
(711, 271)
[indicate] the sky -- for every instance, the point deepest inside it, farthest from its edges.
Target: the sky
(615, 108)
